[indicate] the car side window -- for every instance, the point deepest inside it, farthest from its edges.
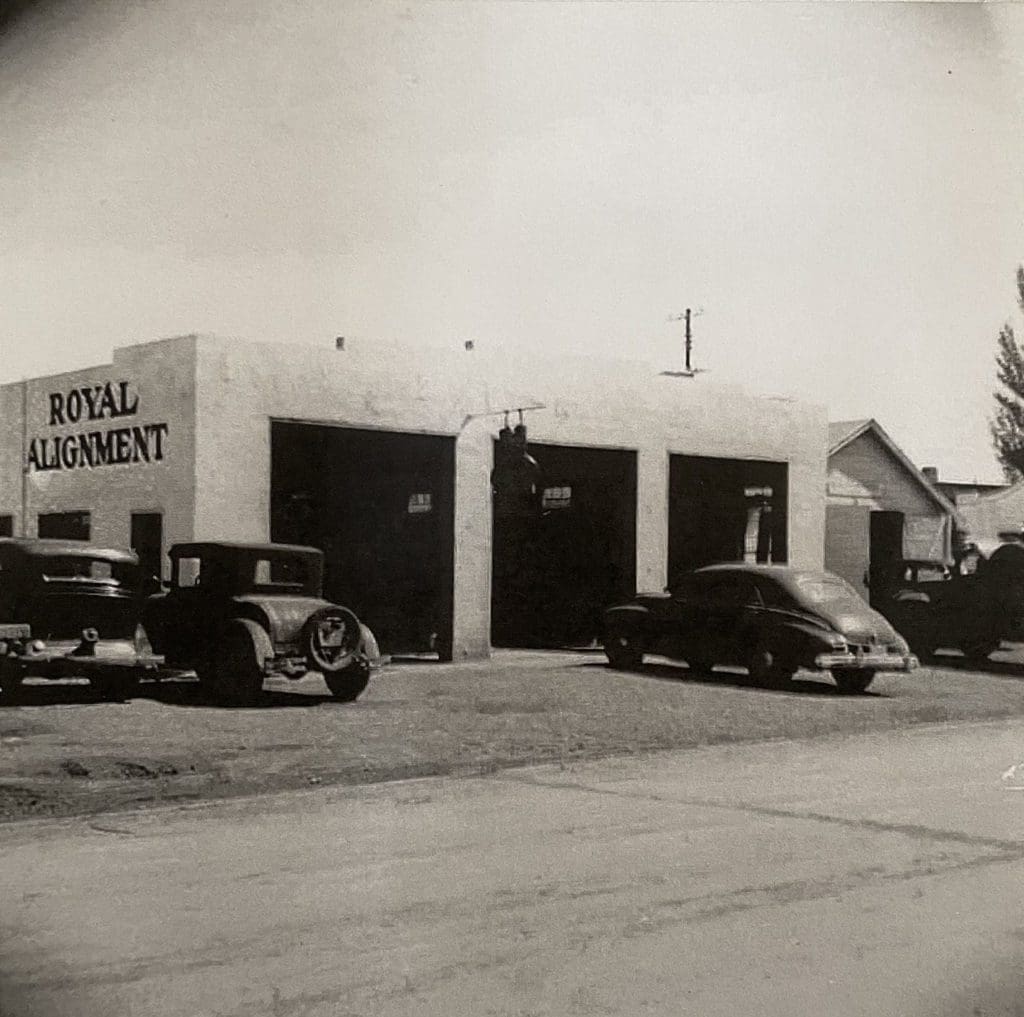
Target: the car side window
(748, 593)
(772, 595)
(732, 592)
(188, 572)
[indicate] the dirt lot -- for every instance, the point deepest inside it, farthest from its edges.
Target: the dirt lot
(64, 751)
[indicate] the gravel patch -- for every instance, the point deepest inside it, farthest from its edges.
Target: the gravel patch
(66, 751)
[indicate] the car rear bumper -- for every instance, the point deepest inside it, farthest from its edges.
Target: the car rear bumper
(60, 659)
(866, 661)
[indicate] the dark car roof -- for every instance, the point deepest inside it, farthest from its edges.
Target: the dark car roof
(778, 571)
(787, 575)
(201, 547)
(43, 547)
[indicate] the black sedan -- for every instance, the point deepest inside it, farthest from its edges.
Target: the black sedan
(770, 619)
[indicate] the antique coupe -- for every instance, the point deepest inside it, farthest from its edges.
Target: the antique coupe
(237, 612)
(770, 619)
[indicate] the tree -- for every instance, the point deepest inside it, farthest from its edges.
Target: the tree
(1008, 424)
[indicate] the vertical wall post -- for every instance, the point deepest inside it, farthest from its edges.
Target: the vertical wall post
(24, 457)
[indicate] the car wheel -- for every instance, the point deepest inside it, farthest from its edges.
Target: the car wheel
(979, 649)
(331, 639)
(768, 666)
(699, 665)
(624, 650)
(853, 681)
(10, 682)
(346, 686)
(118, 687)
(919, 628)
(238, 668)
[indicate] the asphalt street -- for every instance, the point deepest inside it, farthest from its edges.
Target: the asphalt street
(880, 874)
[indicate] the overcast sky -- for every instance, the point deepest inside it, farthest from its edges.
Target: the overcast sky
(839, 187)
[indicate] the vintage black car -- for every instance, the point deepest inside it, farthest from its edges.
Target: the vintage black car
(770, 619)
(72, 609)
(971, 611)
(237, 612)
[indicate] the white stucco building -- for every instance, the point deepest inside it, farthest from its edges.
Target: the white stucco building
(383, 457)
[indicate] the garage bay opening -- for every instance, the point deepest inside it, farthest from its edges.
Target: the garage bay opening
(380, 505)
(562, 557)
(725, 510)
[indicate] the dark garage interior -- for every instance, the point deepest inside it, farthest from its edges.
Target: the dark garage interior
(724, 510)
(380, 505)
(560, 560)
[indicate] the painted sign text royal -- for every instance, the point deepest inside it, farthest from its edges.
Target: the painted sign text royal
(113, 446)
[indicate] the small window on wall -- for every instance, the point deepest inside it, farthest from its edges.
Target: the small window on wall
(65, 525)
(6, 526)
(556, 498)
(420, 503)
(147, 535)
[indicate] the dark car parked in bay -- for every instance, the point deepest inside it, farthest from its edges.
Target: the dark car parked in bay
(72, 609)
(237, 612)
(770, 619)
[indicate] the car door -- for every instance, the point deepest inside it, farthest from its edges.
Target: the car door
(709, 613)
(193, 608)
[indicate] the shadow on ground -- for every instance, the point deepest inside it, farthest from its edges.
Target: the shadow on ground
(183, 693)
(999, 668)
(676, 673)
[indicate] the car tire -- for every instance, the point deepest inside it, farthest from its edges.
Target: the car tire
(768, 666)
(10, 682)
(699, 665)
(624, 649)
(346, 686)
(118, 687)
(327, 657)
(918, 626)
(240, 662)
(853, 681)
(979, 649)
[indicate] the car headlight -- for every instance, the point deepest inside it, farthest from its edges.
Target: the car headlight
(836, 641)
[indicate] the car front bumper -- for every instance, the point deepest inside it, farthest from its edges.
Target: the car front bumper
(865, 661)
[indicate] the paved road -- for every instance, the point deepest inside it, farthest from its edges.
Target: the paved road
(879, 875)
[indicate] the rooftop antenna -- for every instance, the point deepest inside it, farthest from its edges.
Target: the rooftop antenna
(689, 370)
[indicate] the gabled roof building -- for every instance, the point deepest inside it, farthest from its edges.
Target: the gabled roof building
(880, 508)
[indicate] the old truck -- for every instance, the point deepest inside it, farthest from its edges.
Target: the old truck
(972, 609)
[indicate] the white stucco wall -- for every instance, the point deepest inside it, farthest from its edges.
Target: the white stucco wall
(160, 380)
(626, 404)
(218, 398)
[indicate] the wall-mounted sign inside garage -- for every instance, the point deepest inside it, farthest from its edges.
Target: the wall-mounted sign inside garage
(110, 446)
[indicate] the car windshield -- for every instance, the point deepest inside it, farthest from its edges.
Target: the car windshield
(826, 590)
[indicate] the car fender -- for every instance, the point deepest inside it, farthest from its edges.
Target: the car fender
(632, 616)
(807, 636)
(912, 597)
(283, 617)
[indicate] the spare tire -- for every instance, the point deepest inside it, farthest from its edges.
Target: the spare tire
(331, 639)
